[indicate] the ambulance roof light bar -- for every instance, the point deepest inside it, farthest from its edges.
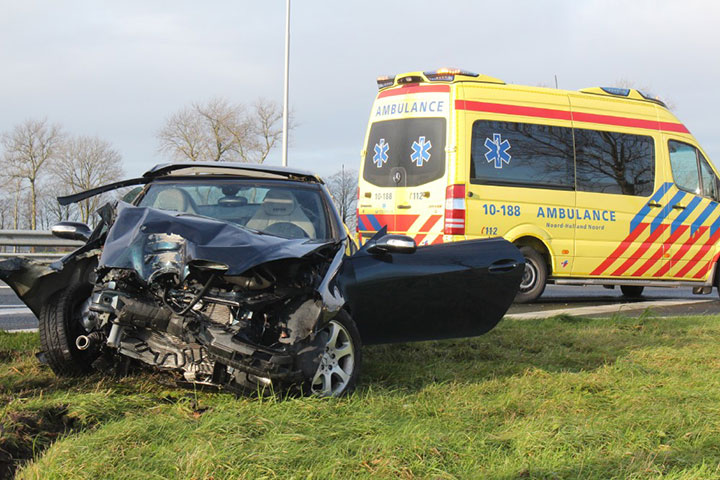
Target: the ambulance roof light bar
(630, 93)
(385, 81)
(447, 74)
(440, 75)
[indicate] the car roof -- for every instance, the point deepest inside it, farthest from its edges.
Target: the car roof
(248, 170)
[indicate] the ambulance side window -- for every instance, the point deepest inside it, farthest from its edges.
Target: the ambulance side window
(709, 180)
(611, 162)
(684, 165)
(522, 154)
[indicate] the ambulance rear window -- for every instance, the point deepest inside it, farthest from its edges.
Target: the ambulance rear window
(405, 152)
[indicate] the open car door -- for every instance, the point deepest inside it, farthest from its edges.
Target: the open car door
(439, 291)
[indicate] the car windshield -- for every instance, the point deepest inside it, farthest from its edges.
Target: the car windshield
(284, 209)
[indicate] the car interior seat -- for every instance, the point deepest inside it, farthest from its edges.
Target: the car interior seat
(280, 206)
(174, 199)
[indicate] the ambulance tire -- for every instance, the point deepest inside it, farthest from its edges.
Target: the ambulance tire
(533, 280)
(632, 291)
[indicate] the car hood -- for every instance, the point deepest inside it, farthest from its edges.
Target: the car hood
(135, 229)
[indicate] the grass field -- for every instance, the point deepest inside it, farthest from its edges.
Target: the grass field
(557, 398)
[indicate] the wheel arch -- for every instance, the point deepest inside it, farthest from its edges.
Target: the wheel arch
(715, 270)
(539, 246)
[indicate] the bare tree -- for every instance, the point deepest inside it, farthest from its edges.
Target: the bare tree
(50, 211)
(343, 187)
(29, 149)
(228, 130)
(85, 163)
(7, 202)
(182, 136)
(267, 127)
(218, 131)
(12, 197)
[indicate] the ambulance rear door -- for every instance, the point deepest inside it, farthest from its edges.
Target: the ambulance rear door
(404, 171)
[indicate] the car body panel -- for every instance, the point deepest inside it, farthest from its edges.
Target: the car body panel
(439, 291)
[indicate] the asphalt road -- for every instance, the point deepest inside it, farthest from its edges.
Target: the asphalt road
(593, 301)
(14, 315)
(585, 301)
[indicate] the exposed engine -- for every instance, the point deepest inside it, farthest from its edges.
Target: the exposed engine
(190, 316)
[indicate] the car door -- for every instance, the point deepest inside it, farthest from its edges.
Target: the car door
(439, 291)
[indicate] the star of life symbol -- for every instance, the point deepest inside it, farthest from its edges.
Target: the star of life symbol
(497, 150)
(381, 153)
(421, 151)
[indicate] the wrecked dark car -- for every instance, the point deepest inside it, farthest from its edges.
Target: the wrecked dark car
(243, 276)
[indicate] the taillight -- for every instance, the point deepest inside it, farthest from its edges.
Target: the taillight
(455, 210)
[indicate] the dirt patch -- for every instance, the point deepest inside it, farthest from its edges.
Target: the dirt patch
(6, 356)
(24, 435)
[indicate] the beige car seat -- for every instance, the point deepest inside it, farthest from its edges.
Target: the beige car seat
(280, 206)
(174, 199)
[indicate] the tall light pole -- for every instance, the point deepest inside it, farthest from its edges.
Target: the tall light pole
(285, 93)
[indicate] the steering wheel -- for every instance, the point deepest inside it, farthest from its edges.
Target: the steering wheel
(286, 229)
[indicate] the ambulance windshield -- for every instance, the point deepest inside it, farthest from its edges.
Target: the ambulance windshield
(406, 152)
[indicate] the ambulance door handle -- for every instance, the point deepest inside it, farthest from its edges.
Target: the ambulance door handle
(654, 204)
(404, 207)
(677, 206)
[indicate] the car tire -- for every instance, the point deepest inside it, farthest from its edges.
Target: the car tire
(341, 360)
(59, 326)
(534, 277)
(632, 291)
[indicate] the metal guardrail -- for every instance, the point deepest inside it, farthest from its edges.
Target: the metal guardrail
(27, 243)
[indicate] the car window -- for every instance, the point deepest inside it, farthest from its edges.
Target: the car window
(278, 208)
(709, 179)
(684, 165)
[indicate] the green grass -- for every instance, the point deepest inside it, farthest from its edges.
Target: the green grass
(558, 398)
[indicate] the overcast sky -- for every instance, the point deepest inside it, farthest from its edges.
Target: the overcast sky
(119, 70)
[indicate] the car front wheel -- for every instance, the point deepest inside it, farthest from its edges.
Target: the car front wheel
(59, 326)
(339, 367)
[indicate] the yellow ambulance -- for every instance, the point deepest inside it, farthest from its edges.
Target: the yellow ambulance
(601, 186)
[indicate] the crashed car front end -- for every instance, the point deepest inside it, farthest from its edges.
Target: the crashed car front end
(212, 299)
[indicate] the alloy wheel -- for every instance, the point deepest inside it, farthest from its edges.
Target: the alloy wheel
(337, 362)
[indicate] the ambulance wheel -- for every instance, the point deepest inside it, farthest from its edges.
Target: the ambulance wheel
(533, 280)
(632, 291)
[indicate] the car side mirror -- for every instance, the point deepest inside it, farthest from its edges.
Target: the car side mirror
(393, 244)
(72, 231)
